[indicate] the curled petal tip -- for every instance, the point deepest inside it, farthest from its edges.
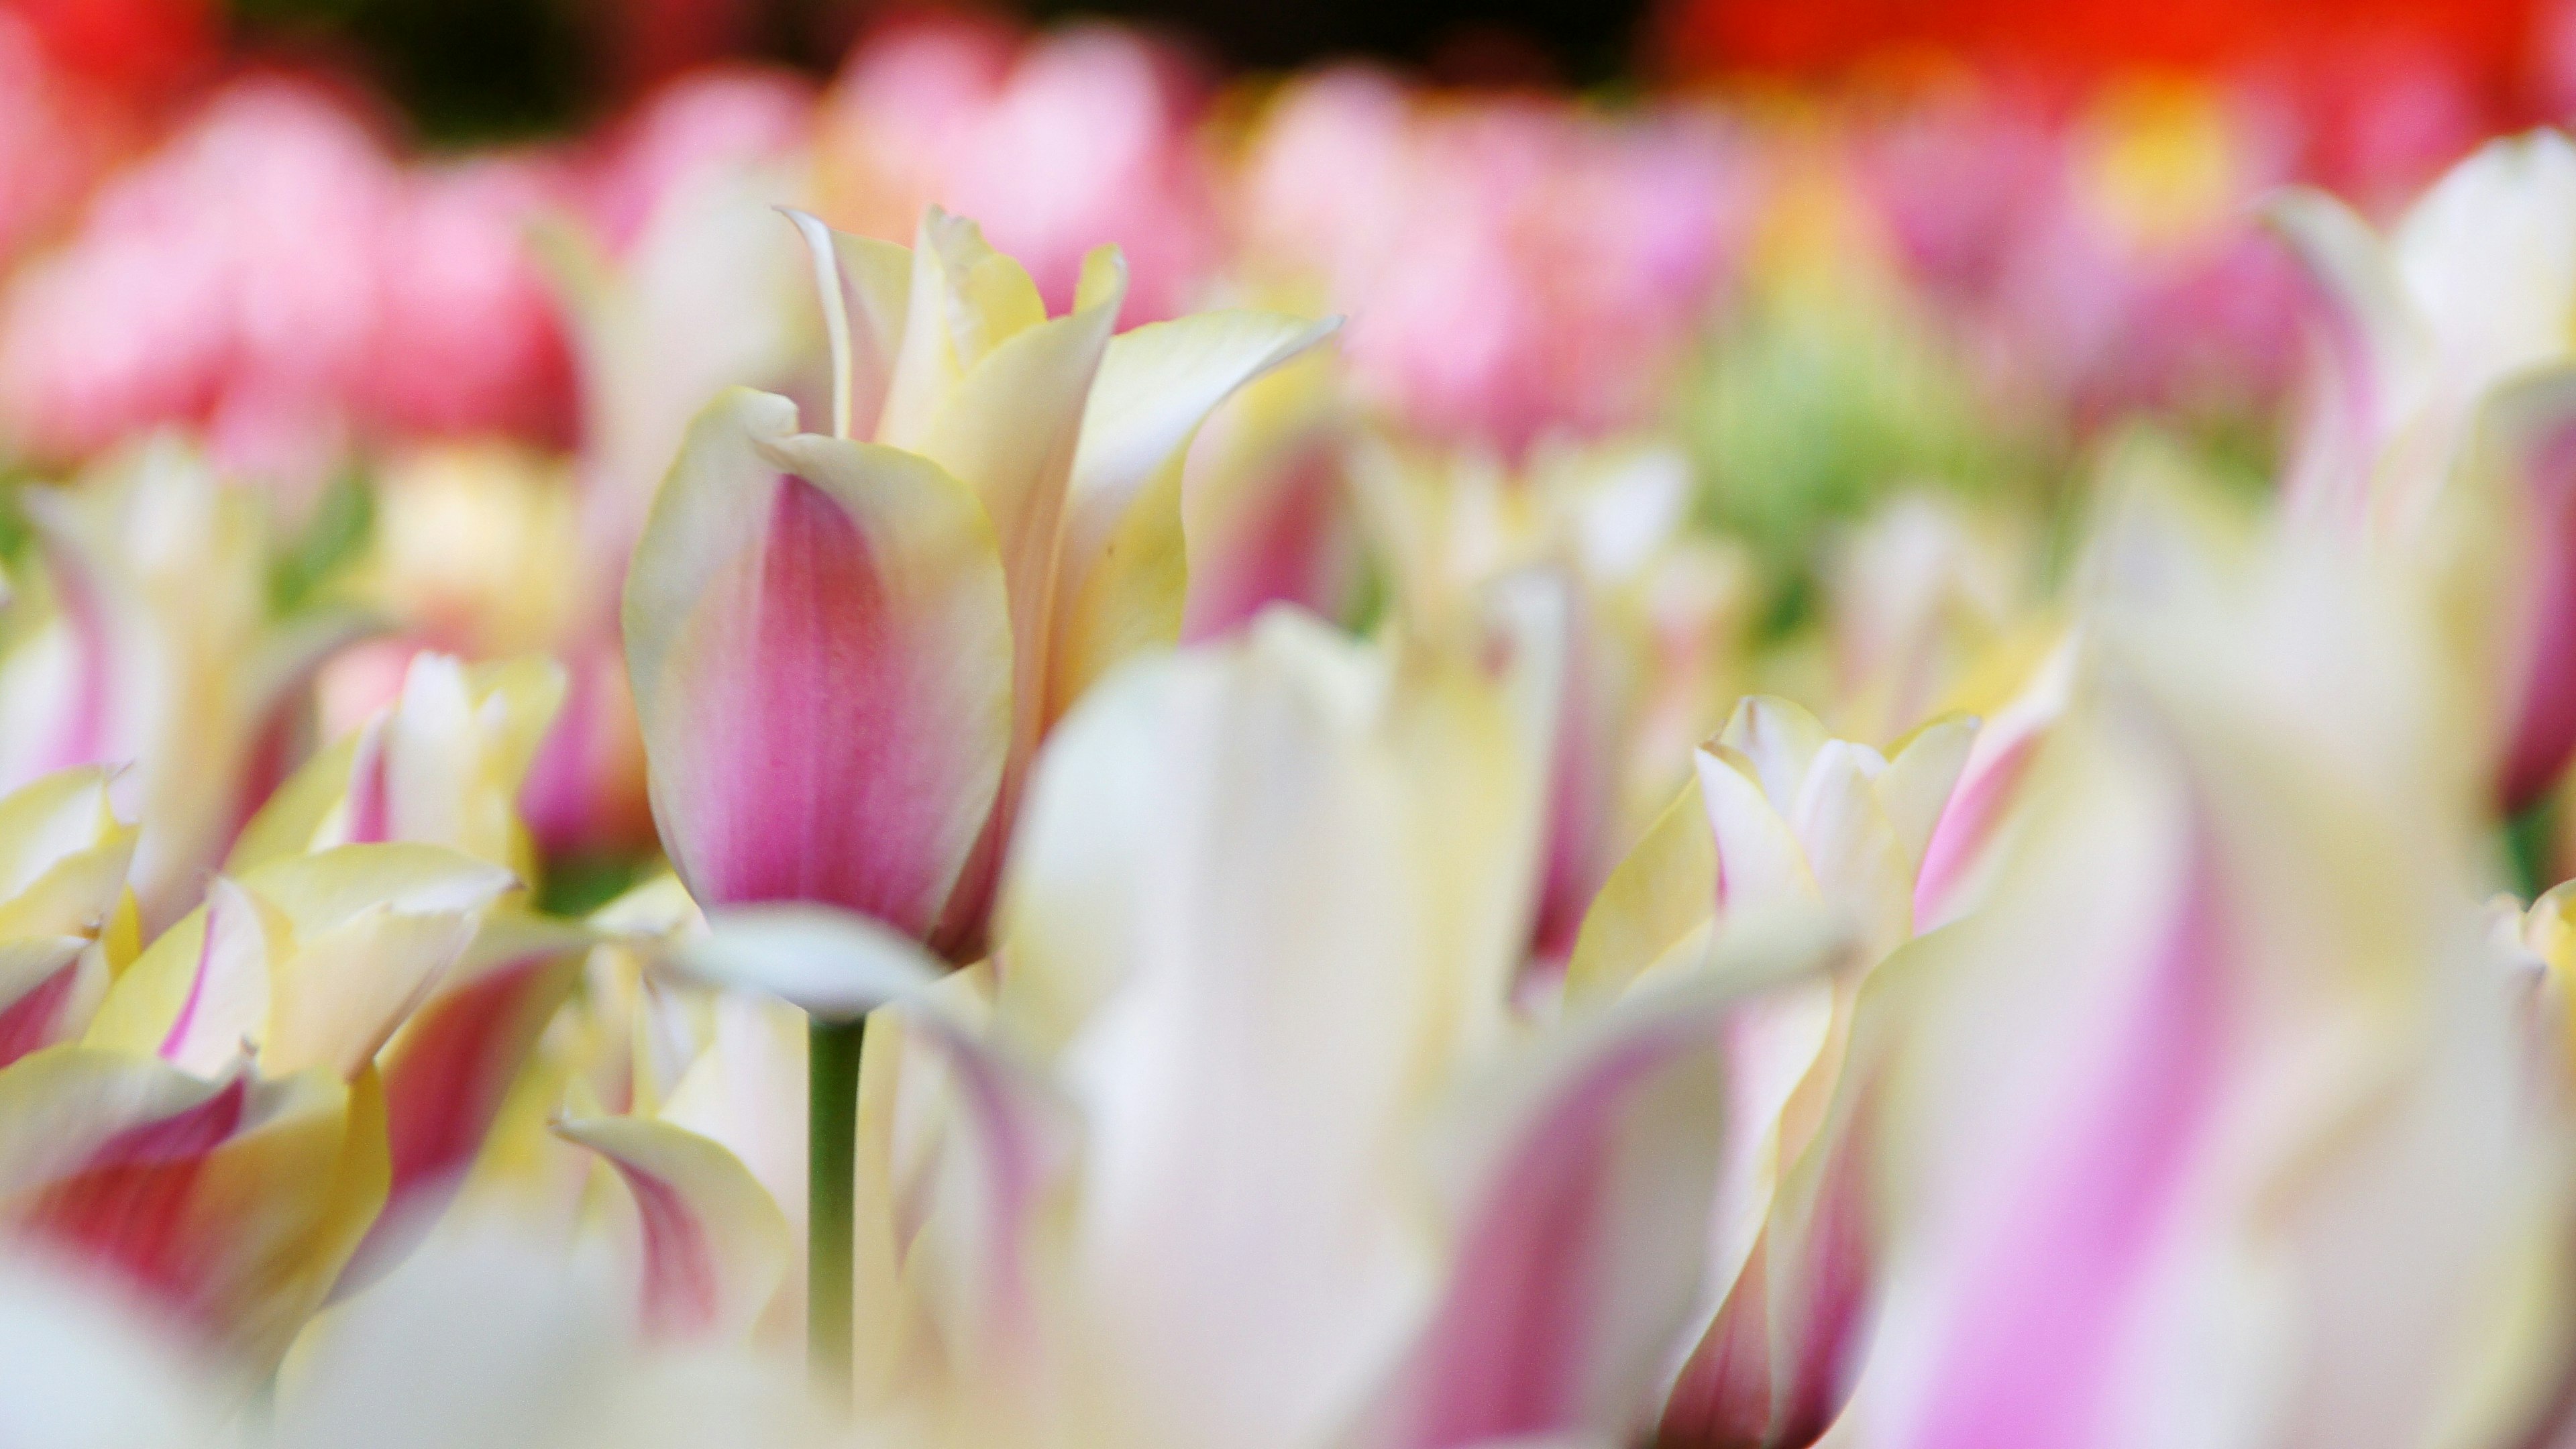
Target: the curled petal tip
(832, 963)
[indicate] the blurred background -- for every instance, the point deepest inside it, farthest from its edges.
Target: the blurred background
(1837, 304)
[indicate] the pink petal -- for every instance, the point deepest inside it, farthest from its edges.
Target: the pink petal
(821, 658)
(446, 1078)
(1578, 1254)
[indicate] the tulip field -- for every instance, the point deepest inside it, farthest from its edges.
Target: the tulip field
(1034, 740)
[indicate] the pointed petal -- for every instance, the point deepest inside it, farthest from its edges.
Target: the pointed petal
(49, 986)
(866, 287)
(1009, 430)
(352, 938)
(448, 1072)
(1124, 574)
(233, 1203)
(821, 652)
(966, 299)
(1664, 890)
(712, 1248)
(1759, 859)
(225, 1012)
(63, 856)
(1850, 846)
(1585, 1190)
(1919, 778)
(1777, 740)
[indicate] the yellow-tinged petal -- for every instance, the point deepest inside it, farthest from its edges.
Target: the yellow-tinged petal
(49, 986)
(442, 765)
(821, 648)
(1759, 858)
(1917, 783)
(865, 285)
(1124, 573)
(352, 939)
(712, 1248)
(1664, 890)
(966, 299)
(63, 856)
(232, 1203)
(1776, 741)
(1009, 430)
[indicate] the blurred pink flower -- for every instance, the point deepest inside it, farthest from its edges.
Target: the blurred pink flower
(51, 143)
(2109, 259)
(468, 339)
(721, 118)
(1068, 142)
(275, 278)
(1513, 268)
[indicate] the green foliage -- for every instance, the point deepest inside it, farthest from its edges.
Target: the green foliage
(337, 534)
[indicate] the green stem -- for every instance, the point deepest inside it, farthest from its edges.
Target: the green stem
(2528, 838)
(831, 1137)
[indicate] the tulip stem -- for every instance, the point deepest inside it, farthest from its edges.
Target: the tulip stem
(831, 1136)
(2528, 838)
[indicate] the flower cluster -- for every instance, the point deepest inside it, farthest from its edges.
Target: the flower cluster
(1369, 769)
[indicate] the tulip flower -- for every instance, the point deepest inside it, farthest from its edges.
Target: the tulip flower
(844, 653)
(149, 643)
(1604, 526)
(2225, 1086)
(227, 1145)
(981, 572)
(442, 765)
(1781, 815)
(2449, 319)
(228, 1203)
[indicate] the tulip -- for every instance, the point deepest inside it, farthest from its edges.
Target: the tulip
(1603, 527)
(2224, 1085)
(228, 1203)
(1781, 816)
(234, 1152)
(442, 765)
(208, 1128)
(313, 959)
(844, 653)
(2449, 320)
(149, 643)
